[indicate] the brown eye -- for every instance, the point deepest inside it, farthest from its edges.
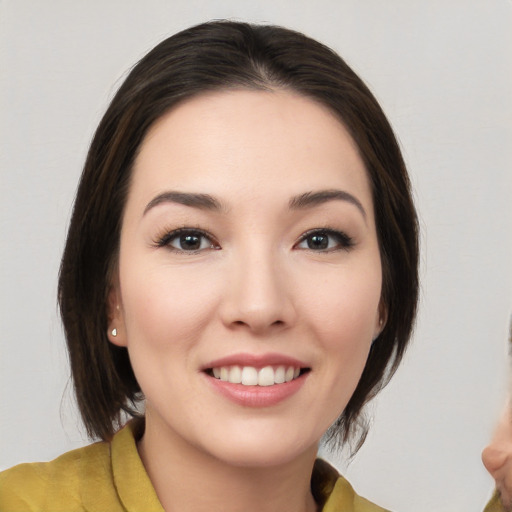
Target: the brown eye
(325, 240)
(318, 241)
(187, 240)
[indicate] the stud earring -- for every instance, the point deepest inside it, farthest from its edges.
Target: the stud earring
(114, 332)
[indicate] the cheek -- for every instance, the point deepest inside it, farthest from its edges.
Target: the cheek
(345, 304)
(163, 306)
(343, 309)
(165, 312)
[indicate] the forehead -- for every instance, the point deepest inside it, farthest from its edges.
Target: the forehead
(252, 141)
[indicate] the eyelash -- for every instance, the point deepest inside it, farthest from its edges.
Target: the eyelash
(343, 241)
(169, 236)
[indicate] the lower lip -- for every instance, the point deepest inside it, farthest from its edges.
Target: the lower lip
(257, 396)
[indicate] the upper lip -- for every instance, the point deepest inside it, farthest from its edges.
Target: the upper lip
(256, 361)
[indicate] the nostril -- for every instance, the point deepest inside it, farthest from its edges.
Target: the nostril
(493, 458)
(258, 324)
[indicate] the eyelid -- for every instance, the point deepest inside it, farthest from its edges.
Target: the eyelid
(345, 242)
(168, 235)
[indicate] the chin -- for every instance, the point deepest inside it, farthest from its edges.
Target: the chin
(262, 453)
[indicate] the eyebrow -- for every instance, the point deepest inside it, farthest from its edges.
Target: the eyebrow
(299, 202)
(311, 199)
(201, 201)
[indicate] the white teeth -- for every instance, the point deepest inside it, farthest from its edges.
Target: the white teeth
(266, 376)
(250, 376)
(235, 375)
(279, 375)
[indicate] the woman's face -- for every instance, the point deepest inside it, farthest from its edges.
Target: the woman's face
(248, 253)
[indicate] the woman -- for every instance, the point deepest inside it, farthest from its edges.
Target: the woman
(241, 260)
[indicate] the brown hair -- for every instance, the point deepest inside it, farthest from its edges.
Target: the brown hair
(217, 56)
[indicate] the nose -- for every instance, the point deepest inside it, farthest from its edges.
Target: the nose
(258, 294)
(493, 458)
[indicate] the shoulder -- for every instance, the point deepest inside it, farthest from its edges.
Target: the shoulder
(54, 485)
(81, 480)
(336, 493)
(344, 498)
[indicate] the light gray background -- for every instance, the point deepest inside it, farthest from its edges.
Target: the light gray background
(442, 70)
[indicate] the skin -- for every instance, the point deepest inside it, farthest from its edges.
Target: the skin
(254, 286)
(497, 457)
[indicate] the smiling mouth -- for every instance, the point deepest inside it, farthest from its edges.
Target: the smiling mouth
(252, 376)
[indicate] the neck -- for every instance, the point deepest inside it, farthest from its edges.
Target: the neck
(187, 479)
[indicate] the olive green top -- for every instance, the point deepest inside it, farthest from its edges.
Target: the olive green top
(494, 504)
(111, 477)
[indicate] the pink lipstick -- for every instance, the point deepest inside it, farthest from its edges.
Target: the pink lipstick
(256, 380)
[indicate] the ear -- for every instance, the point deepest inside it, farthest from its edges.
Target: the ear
(116, 331)
(380, 320)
